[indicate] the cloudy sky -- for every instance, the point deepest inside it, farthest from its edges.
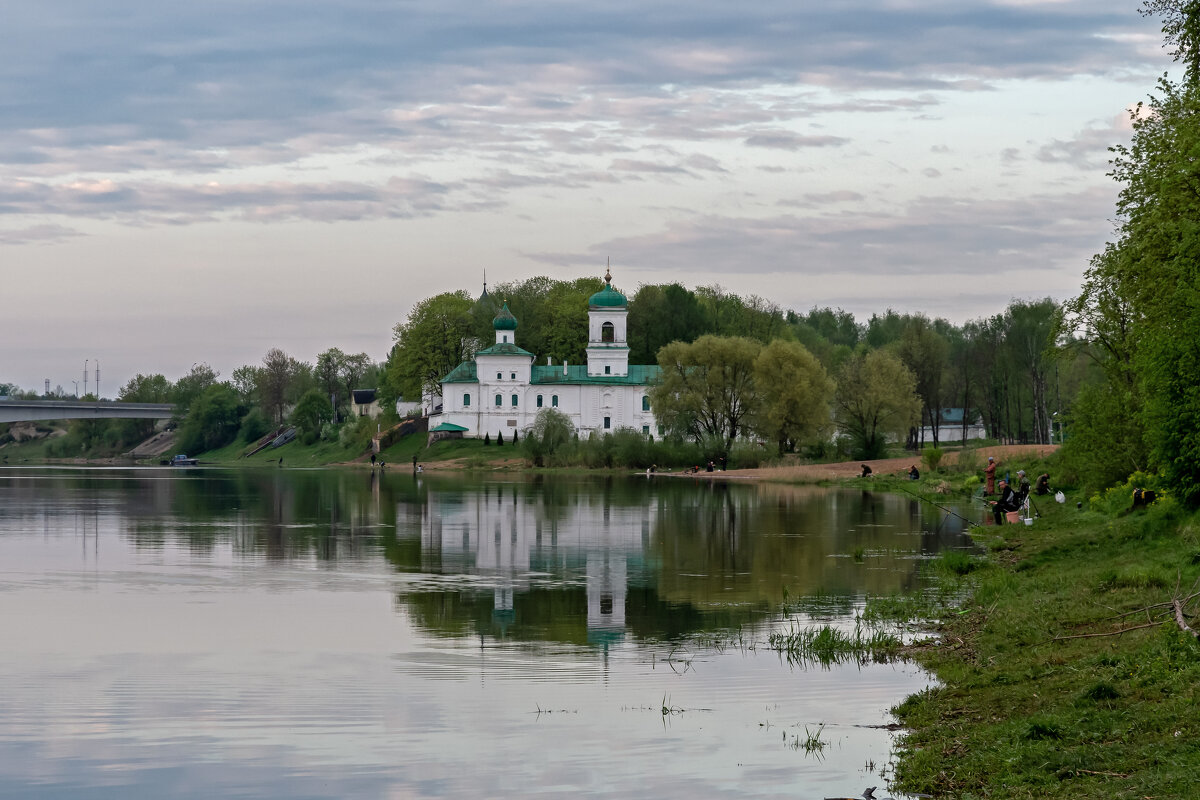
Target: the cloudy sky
(187, 182)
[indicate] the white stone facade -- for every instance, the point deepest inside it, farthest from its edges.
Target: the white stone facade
(501, 390)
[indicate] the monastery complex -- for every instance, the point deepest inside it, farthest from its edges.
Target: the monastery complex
(501, 390)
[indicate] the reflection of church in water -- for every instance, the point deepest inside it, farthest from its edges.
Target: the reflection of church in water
(514, 543)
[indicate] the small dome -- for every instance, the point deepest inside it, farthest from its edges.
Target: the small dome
(505, 321)
(607, 297)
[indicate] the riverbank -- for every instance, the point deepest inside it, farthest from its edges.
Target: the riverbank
(1065, 674)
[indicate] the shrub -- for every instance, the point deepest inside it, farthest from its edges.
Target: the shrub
(932, 456)
(255, 425)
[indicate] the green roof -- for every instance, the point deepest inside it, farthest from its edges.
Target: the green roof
(448, 427)
(463, 373)
(607, 297)
(639, 375)
(504, 349)
(505, 321)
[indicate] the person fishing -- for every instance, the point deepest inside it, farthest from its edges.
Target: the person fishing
(1043, 484)
(990, 473)
(1022, 486)
(1007, 503)
(866, 471)
(913, 473)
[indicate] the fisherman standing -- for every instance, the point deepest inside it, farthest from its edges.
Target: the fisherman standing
(990, 472)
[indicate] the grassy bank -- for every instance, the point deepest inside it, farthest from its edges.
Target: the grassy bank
(1042, 696)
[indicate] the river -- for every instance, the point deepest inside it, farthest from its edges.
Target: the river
(188, 633)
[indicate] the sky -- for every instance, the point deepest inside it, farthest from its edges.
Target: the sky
(199, 182)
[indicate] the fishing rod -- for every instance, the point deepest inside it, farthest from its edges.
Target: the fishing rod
(939, 505)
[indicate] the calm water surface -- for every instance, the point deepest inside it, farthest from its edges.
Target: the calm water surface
(330, 634)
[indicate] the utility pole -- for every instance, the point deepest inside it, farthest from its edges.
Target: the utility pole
(76, 389)
(85, 377)
(97, 379)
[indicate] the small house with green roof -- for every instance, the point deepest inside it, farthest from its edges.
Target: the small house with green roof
(501, 390)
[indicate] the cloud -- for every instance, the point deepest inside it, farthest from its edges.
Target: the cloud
(38, 234)
(783, 140)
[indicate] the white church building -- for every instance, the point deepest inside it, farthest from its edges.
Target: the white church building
(501, 390)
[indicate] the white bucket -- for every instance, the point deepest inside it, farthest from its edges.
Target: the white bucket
(1029, 520)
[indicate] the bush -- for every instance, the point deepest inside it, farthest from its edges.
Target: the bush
(313, 411)
(255, 425)
(932, 456)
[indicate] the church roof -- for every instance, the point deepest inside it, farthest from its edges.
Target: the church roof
(639, 375)
(607, 297)
(504, 349)
(505, 321)
(463, 373)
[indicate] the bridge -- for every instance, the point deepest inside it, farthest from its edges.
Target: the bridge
(30, 410)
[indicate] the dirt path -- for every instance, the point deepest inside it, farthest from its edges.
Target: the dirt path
(1013, 454)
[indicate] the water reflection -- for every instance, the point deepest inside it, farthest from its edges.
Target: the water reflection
(317, 633)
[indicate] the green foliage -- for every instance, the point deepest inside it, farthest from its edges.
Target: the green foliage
(875, 397)
(792, 395)
(313, 411)
(436, 338)
(212, 421)
(255, 425)
(707, 387)
(551, 433)
(188, 388)
(932, 457)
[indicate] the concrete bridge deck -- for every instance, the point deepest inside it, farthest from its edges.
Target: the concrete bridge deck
(31, 410)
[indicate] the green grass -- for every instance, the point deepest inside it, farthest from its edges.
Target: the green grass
(826, 645)
(1024, 712)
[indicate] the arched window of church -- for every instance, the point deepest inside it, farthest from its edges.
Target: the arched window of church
(607, 332)
(554, 400)
(499, 400)
(645, 403)
(466, 399)
(539, 401)
(514, 401)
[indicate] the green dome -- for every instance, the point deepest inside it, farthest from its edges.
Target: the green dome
(607, 297)
(505, 321)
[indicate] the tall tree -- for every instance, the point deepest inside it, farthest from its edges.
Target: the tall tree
(436, 338)
(925, 352)
(277, 377)
(876, 397)
(794, 393)
(707, 387)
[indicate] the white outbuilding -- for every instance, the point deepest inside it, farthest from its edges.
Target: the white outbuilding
(501, 390)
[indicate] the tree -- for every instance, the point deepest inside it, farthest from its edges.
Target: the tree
(191, 386)
(436, 338)
(707, 387)
(925, 352)
(328, 371)
(1149, 278)
(661, 314)
(551, 432)
(143, 389)
(794, 393)
(245, 381)
(212, 420)
(275, 381)
(876, 396)
(311, 412)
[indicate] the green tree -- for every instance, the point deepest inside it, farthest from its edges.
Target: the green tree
(436, 338)
(876, 397)
(1153, 269)
(794, 393)
(925, 352)
(311, 412)
(550, 434)
(661, 314)
(212, 421)
(142, 389)
(277, 378)
(707, 387)
(191, 386)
